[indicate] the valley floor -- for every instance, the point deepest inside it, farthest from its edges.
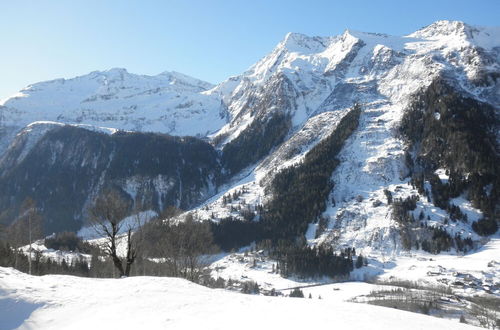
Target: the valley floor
(66, 302)
(477, 272)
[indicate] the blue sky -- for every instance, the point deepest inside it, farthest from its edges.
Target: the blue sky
(208, 39)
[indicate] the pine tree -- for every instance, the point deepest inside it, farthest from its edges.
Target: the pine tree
(359, 261)
(297, 293)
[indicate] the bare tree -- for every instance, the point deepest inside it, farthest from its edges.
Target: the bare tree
(194, 241)
(106, 217)
(3, 232)
(29, 206)
(181, 243)
(487, 311)
(25, 230)
(139, 236)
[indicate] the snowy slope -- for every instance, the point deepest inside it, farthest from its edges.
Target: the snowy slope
(331, 73)
(316, 79)
(326, 73)
(169, 103)
(252, 181)
(65, 302)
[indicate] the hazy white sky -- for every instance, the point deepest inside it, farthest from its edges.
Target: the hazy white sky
(208, 39)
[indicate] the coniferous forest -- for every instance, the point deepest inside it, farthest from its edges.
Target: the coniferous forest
(448, 130)
(299, 193)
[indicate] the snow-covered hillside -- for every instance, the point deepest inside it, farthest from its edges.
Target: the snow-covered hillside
(169, 103)
(316, 79)
(66, 302)
(312, 82)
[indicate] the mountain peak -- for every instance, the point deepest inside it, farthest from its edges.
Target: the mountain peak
(292, 37)
(175, 78)
(112, 74)
(301, 43)
(349, 34)
(443, 28)
(117, 71)
(485, 37)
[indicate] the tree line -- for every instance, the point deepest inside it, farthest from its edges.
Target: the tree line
(162, 247)
(312, 262)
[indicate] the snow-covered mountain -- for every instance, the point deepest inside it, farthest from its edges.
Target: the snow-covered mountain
(271, 116)
(315, 80)
(170, 102)
(308, 75)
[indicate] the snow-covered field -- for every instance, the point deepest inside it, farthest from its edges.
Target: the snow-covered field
(478, 271)
(66, 302)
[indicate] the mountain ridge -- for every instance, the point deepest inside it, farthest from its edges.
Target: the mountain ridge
(272, 115)
(121, 100)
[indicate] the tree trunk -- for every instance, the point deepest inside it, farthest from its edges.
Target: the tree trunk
(29, 229)
(118, 264)
(131, 253)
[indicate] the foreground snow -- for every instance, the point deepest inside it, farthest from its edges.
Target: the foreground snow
(66, 302)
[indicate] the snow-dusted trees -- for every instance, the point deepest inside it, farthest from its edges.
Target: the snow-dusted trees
(445, 129)
(299, 193)
(106, 217)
